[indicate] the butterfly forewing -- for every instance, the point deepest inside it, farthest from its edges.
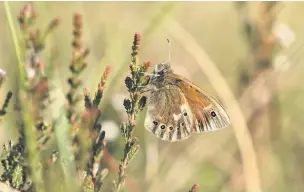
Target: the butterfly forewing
(169, 116)
(208, 113)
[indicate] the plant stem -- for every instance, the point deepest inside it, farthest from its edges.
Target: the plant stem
(15, 41)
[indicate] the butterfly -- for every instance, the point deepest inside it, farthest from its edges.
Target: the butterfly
(177, 108)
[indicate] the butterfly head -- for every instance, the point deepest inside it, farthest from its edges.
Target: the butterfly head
(162, 69)
(159, 74)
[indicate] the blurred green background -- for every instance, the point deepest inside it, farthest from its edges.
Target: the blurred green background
(212, 160)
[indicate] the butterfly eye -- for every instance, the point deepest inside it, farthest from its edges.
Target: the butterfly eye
(185, 114)
(213, 114)
(155, 123)
(163, 126)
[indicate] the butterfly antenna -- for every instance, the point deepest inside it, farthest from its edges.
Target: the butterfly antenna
(169, 47)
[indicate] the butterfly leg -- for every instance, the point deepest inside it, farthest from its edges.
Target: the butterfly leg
(149, 74)
(144, 91)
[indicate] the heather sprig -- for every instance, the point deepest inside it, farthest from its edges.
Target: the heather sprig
(37, 84)
(135, 84)
(91, 144)
(34, 43)
(101, 86)
(194, 188)
(12, 161)
(91, 150)
(8, 95)
(6, 102)
(77, 66)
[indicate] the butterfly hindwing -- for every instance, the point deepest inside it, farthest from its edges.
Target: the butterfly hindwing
(169, 116)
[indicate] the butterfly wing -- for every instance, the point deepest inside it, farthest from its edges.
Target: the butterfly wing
(169, 116)
(208, 113)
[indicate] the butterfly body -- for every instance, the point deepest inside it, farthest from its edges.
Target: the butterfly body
(177, 107)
